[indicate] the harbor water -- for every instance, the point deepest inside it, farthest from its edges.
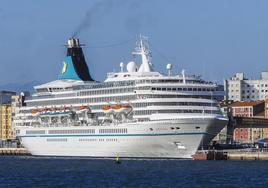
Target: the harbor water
(28, 171)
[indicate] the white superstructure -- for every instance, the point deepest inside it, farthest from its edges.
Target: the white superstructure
(137, 112)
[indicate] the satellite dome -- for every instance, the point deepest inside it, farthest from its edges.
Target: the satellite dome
(132, 67)
(169, 66)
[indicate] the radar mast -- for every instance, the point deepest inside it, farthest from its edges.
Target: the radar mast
(143, 50)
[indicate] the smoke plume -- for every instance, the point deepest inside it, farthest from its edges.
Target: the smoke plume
(93, 15)
(136, 18)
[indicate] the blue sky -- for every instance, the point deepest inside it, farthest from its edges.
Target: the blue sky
(210, 37)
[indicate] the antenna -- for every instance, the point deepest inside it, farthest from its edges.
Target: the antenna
(143, 50)
(183, 76)
(122, 66)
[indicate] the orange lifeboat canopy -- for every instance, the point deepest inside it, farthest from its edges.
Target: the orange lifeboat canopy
(106, 107)
(123, 108)
(35, 111)
(117, 107)
(83, 107)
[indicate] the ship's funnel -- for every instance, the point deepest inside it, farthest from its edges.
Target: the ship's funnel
(74, 65)
(73, 42)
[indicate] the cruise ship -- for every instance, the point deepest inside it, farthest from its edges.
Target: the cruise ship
(136, 112)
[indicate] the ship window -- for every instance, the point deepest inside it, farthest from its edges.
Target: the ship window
(164, 89)
(151, 129)
(172, 128)
(197, 127)
(57, 140)
(177, 128)
(36, 132)
(173, 89)
(153, 88)
(184, 89)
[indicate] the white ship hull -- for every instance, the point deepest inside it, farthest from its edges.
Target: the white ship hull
(156, 139)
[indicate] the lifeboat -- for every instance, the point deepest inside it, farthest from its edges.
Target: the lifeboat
(66, 109)
(57, 110)
(35, 111)
(126, 109)
(44, 111)
(47, 110)
(53, 111)
(122, 108)
(108, 109)
(83, 108)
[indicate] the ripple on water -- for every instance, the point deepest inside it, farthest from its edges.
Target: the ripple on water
(83, 172)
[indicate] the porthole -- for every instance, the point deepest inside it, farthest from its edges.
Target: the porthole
(172, 128)
(177, 128)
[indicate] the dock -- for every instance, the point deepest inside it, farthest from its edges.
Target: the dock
(247, 155)
(210, 155)
(13, 151)
(243, 154)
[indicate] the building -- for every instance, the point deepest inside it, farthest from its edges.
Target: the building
(225, 109)
(15, 107)
(9, 107)
(5, 97)
(238, 88)
(6, 130)
(265, 131)
(248, 109)
(15, 104)
(266, 108)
